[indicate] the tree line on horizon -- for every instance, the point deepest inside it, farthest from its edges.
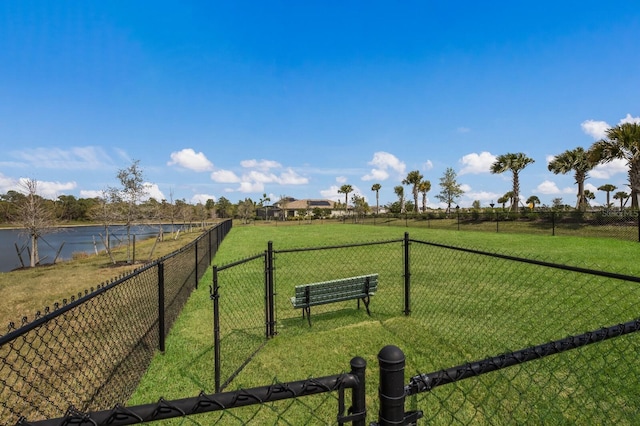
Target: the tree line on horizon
(128, 203)
(621, 142)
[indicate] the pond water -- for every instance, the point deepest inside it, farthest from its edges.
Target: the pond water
(75, 239)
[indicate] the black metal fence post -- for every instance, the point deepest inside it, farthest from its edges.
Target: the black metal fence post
(359, 394)
(638, 213)
(195, 246)
(553, 223)
(214, 295)
(269, 293)
(161, 319)
(209, 247)
(407, 276)
(391, 391)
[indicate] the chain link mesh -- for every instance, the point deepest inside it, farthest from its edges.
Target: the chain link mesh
(306, 266)
(624, 225)
(90, 351)
(242, 314)
(87, 356)
(464, 305)
(474, 305)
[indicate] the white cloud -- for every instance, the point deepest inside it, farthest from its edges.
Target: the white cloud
(153, 192)
(598, 129)
(477, 163)
(595, 129)
(463, 130)
(191, 160)
(332, 193)
(607, 170)
(49, 190)
(256, 176)
(466, 188)
(260, 165)
(7, 184)
(630, 119)
(290, 177)
(91, 193)
(202, 198)
(123, 154)
(550, 188)
(383, 162)
(254, 180)
(428, 165)
(376, 175)
(224, 176)
(341, 179)
(590, 187)
(249, 187)
(76, 158)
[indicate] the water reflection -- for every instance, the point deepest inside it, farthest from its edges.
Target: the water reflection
(75, 239)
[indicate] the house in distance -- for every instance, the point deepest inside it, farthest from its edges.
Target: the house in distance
(290, 208)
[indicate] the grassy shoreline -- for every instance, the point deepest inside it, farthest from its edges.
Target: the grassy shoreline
(27, 291)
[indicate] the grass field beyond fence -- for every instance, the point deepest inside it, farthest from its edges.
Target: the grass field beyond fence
(465, 307)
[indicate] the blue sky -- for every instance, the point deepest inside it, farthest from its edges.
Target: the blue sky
(297, 98)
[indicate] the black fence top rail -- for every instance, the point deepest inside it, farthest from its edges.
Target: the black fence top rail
(68, 305)
(536, 262)
(426, 382)
(203, 403)
(240, 262)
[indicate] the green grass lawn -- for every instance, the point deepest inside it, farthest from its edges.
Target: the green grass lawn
(464, 307)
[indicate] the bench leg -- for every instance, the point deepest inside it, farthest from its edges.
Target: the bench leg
(366, 301)
(307, 310)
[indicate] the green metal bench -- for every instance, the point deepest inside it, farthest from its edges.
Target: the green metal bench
(360, 288)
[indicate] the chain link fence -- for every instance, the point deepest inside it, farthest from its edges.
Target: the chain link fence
(446, 306)
(239, 320)
(464, 304)
(477, 304)
(92, 349)
(623, 224)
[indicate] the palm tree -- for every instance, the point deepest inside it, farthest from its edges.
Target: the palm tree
(345, 189)
(588, 196)
(608, 188)
(423, 188)
(376, 187)
(578, 161)
(515, 163)
(263, 200)
(533, 200)
(622, 196)
(414, 178)
(508, 196)
(622, 142)
(399, 190)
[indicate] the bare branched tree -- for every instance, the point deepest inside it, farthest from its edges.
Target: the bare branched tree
(35, 218)
(105, 213)
(132, 191)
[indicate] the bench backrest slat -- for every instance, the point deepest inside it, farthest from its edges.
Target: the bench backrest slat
(335, 290)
